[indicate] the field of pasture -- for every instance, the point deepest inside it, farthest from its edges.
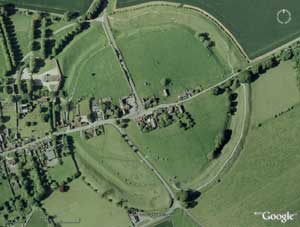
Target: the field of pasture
(162, 43)
(22, 25)
(37, 219)
(253, 23)
(81, 205)
(91, 68)
(109, 163)
(275, 92)
(178, 219)
(264, 178)
(171, 148)
(56, 6)
(61, 172)
(3, 62)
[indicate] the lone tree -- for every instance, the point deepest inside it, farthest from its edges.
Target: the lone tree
(165, 82)
(188, 198)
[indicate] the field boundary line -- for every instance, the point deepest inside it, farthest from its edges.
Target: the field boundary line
(192, 217)
(242, 135)
(204, 13)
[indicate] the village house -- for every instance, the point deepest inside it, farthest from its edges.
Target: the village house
(24, 108)
(127, 104)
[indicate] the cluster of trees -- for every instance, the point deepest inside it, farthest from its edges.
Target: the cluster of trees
(95, 9)
(164, 120)
(205, 38)
(188, 197)
(13, 204)
(9, 42)
(225, 135)
(186, 121)
(221, 140)
(57, 110)
(68, 15)
(41, 40)
(62, 43)
(165, 82)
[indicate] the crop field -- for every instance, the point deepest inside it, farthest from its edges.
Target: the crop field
(22, 25)
(81, 204)
(264, 178)
(56, 6)
(253, 23)
(172, 147)
(108, 161)
(91, 67)
(278, 84)
(161, 43)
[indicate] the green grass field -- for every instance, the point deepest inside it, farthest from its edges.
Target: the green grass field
(108, 161)
(265, 176)
(91, 67)
(22, 25)
(253, 23)
(82, 204)
(55, 6)
(3, 62)
(169, 52)
(38, 219)
(178, 219)
(159, 42)
(167, 223)
(38, 130)
(60, 173)
(277, 85)
(6, 193)
(172, 148)
(238, 124)
(60, 29)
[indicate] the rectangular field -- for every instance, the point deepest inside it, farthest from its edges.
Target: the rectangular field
(22, 24)
(254, 23)
(277, 85)
(56, 6)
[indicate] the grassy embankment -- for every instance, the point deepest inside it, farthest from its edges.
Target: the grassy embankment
(90, 67)
(255, 28)
(181, 155)
(160, 42)
(115, 170)
(265, 177)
